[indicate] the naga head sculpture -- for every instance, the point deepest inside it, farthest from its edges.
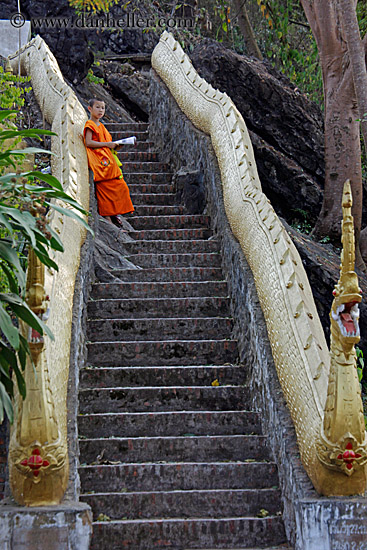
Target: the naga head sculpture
(347, 294)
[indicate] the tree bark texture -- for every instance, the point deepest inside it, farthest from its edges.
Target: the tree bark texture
(246, 29)
(342, 142)
(357, 57)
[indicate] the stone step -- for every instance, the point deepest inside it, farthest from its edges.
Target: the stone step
(173, 247)
(151, 188)
(179, 476)
(172, 329)
(161, 274)
(154, 199)
(109, 377)
(173, 449)
(175, 423)
(196, 234)
(144, 167)
(122, 133)
(170, 352)
(128, 126)
(140, 146)
(186, 221)
(188, 533)
(141, 308)
(198, 259)
(159, 210)
(163, 399)
(196, 503)
(158, 290)
(137, 156)
(147, 177)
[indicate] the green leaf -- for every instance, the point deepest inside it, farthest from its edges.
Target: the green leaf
(5, 114)
(72, 214)
(10, 277)
(23, 352)
(20, 382)
(25, 220)
(10, 331)
(5, 223)
(9, 255)
(22, 310)
(5, 404)
(48, 178)
(30, 150)
(7, 134)
(43, 255)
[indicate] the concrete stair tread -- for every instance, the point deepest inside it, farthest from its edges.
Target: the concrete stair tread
(163, 375)
(244, 491)
(173, 328)
(168, 476)
(163, 398)
(167, 352)
(173, 448)
(148, 520)
(160, 274)
(172, 234)
(199, 259)
(136, 308)
(166, 289)
(169, 423)
(178, 503)
(113, 342)
(178, 438)
(176, 464)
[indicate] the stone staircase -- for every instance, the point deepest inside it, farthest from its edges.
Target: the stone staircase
(171, 457)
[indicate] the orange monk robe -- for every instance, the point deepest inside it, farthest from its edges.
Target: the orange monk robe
(112, 192)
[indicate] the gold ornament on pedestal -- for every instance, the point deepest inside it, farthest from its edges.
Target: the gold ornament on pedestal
(342, 446)
(38, 464)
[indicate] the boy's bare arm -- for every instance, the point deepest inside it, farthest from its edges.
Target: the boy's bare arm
(89, 142)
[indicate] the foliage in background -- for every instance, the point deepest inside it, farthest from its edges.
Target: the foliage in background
(25, 199)
(94, 6)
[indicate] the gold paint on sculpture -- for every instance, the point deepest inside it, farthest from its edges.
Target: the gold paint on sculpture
(38, 465)
(343, 445)
(38, 462)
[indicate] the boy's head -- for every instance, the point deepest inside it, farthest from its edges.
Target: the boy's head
(96, 107)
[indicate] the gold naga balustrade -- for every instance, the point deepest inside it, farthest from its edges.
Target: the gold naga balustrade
(332, 445)
(38, 453)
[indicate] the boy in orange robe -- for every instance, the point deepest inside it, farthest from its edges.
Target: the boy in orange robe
(112, 192)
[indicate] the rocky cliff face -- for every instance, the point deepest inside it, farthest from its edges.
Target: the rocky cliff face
(285, 127)
(74, 43)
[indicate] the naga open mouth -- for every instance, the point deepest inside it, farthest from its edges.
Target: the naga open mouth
(347, 316)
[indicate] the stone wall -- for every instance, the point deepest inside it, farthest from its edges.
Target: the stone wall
(78, 348)
(312, 522)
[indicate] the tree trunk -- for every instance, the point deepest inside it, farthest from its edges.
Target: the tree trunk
(246, 29)
(342, 138)
(358, 62)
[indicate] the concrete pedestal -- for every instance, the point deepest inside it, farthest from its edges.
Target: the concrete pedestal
(64, 527)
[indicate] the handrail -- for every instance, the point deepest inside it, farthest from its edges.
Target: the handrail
(295, 332)
(38, 459)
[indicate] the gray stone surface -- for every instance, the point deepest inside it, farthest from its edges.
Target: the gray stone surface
(78, 345)
(309, 519)
(64, 527)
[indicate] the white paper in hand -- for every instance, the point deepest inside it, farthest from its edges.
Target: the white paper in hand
(127, 141)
